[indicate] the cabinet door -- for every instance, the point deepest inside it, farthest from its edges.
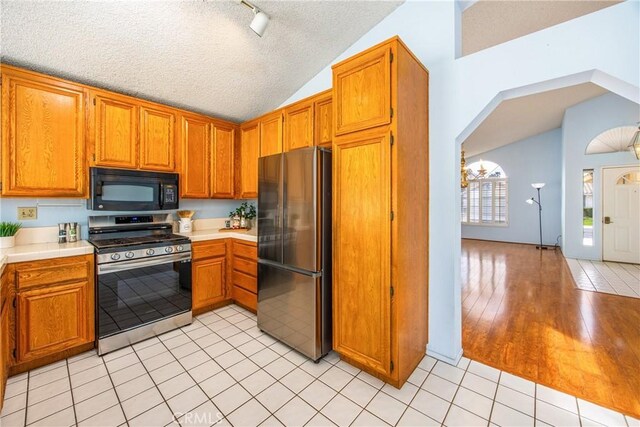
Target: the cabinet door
(208, 286)
(323, 126)
(298, 126)
(195, 141)
(43, 139)
(115, 131)
(249, 153)
(362, 225)
(362, 91)
(271, 134)
(53, 319)
(222, 158)
(157, 139)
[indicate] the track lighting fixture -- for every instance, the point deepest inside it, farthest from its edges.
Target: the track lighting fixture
(260, 19)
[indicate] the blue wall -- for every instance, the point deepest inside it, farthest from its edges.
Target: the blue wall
(74, 210)
(535, 159)
(581, 124)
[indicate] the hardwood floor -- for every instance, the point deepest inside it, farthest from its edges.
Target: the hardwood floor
(522, 314)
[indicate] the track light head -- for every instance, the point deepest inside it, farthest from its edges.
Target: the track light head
(260, 19)
(259, 22)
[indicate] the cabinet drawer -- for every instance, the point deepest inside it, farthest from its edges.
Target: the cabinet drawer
(245, 298)
(245, 281)
(245, 251)
(245, 266)
(208, 249)
(41, 273)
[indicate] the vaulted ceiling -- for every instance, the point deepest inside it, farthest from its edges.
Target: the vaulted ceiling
(199, 55)
(486, 23)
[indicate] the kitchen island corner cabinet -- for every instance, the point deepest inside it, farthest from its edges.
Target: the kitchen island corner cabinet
(380, 211)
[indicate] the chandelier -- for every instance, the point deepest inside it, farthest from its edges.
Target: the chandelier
(464, 183)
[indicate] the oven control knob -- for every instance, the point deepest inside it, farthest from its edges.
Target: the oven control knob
(150, 252)
(179, 248)
(129, 254)
(115, 257)
(168, 249)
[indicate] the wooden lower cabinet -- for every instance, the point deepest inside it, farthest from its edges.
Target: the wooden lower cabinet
(224, 271)
(4, 337)
(54, 310)
(52, 319)
(245, 274)
(209, 268)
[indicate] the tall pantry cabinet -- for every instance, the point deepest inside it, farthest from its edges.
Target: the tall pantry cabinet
(380, 210)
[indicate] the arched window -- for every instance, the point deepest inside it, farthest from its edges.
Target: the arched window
(485, 200)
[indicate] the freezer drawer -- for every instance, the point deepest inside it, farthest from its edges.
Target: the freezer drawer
(290, 308)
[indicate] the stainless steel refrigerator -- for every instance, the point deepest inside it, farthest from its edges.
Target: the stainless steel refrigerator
(294, 249)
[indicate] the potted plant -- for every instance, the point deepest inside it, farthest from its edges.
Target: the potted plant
(242, 216)
(8, 232)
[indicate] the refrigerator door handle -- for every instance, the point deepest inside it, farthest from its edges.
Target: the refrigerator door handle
(312, 274)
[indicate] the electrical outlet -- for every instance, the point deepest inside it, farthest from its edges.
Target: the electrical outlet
(28, 213)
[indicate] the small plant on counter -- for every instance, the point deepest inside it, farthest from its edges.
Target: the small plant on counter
(8, 229)
(241, 217)
(8, 232)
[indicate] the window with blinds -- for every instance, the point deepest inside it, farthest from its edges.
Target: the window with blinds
(485, 200)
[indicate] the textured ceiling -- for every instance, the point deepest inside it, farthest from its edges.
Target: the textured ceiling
(198, 55)
(519, 118)
(486, 23)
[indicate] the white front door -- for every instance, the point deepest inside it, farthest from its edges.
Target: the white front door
(621, 214)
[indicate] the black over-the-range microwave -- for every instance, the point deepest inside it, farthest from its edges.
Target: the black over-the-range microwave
(132, 190)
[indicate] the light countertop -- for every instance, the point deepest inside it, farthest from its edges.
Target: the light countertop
(213, 234)
(38, 251)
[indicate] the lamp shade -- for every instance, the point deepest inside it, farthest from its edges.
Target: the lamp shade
(259, 22)
(530, 201)
(537, 185)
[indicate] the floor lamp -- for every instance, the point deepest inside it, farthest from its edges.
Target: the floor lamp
(531, 201)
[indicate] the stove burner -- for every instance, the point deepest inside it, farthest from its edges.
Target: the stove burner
(138, 240)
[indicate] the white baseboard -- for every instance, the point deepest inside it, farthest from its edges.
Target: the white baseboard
(451, 361)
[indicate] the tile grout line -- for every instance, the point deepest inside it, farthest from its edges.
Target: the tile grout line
(73, 402)
(495, 395)
(113, 385)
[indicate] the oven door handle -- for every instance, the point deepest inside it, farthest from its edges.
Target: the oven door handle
(130, 265)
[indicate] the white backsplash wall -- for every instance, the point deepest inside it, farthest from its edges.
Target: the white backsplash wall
(53, 211)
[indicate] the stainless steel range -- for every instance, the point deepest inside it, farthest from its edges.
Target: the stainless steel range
(143, 284)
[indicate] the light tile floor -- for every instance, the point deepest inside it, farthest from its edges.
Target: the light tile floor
(222, 369)
(608, 277)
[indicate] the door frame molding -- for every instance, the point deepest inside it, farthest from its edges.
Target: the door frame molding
(601, 223)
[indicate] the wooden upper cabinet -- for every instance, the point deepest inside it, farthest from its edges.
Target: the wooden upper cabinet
(271, 134)
(157, 139)
(362, 91)
(43, 136)
(222, 161)
(114, 128)
(323, 121)
(195, 135)
(362, 225)
(298, 126)
(248, 160)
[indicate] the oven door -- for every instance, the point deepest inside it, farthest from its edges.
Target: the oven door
(134, 293)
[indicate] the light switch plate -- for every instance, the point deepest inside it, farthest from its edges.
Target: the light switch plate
(28, 213)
